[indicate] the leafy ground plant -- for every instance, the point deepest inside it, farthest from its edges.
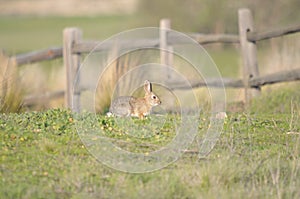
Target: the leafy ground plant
(42, 155)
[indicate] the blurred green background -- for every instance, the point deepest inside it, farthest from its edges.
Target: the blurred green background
(28, 24)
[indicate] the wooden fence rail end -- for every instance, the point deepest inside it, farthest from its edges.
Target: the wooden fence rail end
(37, 56)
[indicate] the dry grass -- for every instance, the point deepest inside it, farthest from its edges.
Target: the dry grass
(11, 92)
(113, 80)
(125, 76)
(21, 87)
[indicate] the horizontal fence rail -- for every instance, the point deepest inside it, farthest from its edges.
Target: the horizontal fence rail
(213, 38)
(279, 32)
(284, 76)
(37, 56)
(86, 47)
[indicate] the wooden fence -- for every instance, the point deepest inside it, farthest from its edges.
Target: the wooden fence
(74, 46)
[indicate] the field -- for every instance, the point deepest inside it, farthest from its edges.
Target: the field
(257, 156)
(19, 34)
(42, 153)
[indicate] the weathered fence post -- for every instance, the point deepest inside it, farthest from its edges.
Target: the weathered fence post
(250, 68)
(166, 55)
(71, 64)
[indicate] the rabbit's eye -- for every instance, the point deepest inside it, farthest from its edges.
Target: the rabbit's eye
(153, 97)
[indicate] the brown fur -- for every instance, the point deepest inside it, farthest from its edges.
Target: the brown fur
(136, 107)
(140, 107)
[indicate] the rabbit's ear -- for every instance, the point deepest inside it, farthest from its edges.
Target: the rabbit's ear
(148, 87)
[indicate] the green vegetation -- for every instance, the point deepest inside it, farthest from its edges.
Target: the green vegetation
(275, 99)
(226, 60)
(257, 156)
(42, 155)
(28, 33)
(218, 16)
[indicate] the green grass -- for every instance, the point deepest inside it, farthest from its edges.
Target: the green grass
(280, 98)
(28, 33)
(43, 156)
(226, 60)
(257, 156)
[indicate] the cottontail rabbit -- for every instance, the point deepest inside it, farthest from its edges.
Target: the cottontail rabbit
(136, 107)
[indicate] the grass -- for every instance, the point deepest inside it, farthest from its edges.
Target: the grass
(11, 92)
(257, 156)
(19, 34)
(42, 155)
(280, 98)
(226, 59)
